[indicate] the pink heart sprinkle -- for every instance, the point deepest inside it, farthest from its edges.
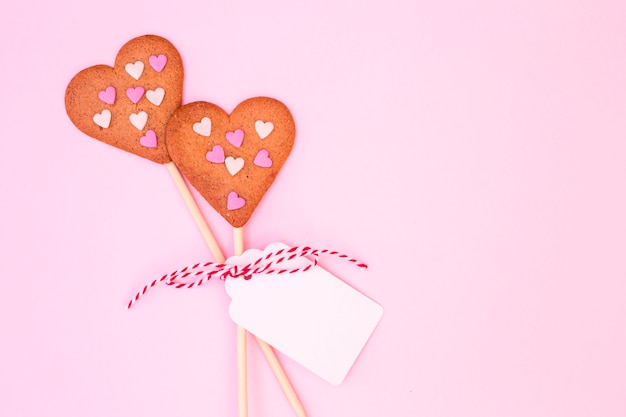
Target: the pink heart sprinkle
(108, 95)
(262, 159)
(216, 155)
(150, 140)
(135, 94)
(158, 62)
(234, 201)
(235, 138)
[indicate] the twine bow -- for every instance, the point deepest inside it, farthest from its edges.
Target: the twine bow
(267, 264)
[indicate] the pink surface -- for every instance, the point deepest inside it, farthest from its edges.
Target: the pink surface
(499, 126)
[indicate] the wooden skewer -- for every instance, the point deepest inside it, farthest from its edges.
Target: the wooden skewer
(267, 350)
(242, 372)
(214, 248)
(280, 375)
(242, 352)
(238, 240)
(218, 256)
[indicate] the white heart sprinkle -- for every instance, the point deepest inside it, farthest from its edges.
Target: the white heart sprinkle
(155, 96)
(134, 70)
(103, 119)
(139, 120)
(233, 165)
(203, 127)
(263, 128)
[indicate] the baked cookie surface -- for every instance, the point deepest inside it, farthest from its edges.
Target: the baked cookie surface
(128, 105)
(231, 159)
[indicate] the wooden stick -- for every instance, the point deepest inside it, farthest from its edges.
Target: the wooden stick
(242, 352)
(267, 350)
(238, 240)
(283, 381)
(218, 256)
(214, 248)
(242, 372)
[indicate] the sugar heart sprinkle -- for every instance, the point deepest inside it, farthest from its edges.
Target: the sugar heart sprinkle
(135, 94)
(158, 62)
(149, 140)
(134, 70)
(234, 165)
(262, 159)
(216, 155)
(203, 127)
(155, 96)
(107, 95)
(235, 138)
(263, 129)
(234, 201)
(103, 119)
(138, 120)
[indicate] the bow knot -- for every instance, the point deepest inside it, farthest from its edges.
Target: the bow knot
(235, 272)
(269, 263)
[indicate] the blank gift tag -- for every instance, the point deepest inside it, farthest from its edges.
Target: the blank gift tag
(313, 317)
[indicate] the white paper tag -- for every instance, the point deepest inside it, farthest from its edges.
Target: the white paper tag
(313, 317)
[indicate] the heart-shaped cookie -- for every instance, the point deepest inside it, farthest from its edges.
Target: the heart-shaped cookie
(231, 159)
(129, 104)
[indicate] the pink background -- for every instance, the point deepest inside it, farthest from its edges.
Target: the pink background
(473, 153)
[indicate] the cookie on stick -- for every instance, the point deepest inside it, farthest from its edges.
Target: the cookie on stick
(128, 106)
(232, 160)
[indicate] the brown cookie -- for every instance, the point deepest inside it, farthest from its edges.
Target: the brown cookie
(128, 106)
(231, 159)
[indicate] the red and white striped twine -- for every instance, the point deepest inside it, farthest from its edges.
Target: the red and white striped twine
(266, 264)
